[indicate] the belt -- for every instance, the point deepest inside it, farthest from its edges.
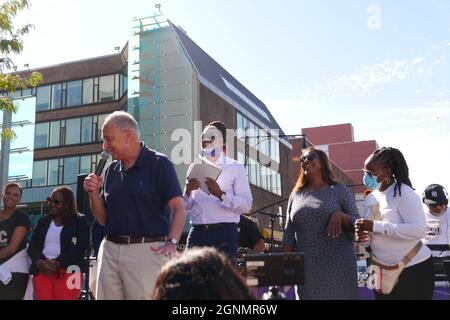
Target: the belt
(133, 240)
(212, 226)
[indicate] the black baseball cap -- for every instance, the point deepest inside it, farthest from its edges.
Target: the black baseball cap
(435, 194)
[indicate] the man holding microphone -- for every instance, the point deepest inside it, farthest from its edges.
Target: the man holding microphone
(141, 206)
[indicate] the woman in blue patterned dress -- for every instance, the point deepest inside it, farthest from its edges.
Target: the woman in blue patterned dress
(320, 219)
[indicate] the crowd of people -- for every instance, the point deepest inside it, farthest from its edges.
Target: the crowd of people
(140, 208)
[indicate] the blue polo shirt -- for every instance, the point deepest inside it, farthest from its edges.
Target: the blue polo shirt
(136, 199)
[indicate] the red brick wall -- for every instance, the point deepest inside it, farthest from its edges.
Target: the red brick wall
(350, 157)
(329, 134)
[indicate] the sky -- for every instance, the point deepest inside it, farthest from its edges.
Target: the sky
(383, 66)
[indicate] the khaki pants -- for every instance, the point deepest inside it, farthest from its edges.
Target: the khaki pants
(127, 271)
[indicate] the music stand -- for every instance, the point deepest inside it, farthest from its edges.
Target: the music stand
(275, 269)
(273, 217)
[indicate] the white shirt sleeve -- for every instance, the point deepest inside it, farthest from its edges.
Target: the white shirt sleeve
(413, 225)
(241, 201)
(188, 201)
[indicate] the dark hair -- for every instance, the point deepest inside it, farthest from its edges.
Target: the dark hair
(12, 185)
(199, 274)
(393, 159)
(69, 202)
(219, 125)
(325, 167)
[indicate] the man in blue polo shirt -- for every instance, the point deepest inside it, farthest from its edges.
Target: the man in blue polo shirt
(139, 192)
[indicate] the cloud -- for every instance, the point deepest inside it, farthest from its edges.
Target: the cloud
(369, 79)
(417, 60)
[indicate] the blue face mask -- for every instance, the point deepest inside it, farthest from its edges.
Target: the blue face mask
(371, 182)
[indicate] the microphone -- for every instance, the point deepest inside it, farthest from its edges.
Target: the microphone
(101, 164)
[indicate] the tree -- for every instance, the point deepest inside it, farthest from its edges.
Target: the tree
(11, 42)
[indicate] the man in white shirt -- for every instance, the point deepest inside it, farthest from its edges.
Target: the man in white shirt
(436, 199)
(215, 216)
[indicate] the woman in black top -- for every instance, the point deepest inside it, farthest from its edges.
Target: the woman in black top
(14, 226)
(57, 249)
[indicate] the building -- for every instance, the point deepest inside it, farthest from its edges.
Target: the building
(173, 88)
(338, 142)
(71, 104)
(342, 149)
(297, 145)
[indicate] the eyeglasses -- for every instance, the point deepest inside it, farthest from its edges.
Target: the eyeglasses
(51, 201)
(309, 157)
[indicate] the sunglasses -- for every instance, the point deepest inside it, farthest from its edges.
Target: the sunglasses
(434, 205)
(51, 201)
(309, 157)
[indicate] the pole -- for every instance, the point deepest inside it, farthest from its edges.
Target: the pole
(5, 149)
(272, 222)
(246, 148)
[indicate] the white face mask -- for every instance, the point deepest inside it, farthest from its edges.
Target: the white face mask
(215, 148)
(211, 151)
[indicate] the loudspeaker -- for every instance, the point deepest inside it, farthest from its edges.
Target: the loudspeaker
(83, 205)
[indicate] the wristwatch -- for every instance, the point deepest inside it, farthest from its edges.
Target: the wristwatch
(173, 241)
(222, 196)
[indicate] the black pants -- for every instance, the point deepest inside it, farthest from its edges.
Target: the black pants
(15, 289)
(415, 283)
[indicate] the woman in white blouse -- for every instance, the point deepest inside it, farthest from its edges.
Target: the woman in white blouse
(395, 223)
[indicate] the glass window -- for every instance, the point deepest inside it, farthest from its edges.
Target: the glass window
(74, 93)
(85, 164)
(254, 134)
(123, 84)
(43, 98)
(73, 131)
(240, 157)
(273, 177)
(39, 173)
(239, 126)
(106, 88)
(56, 96)
(274, 151)
(53, 167)
(94, 161)
(16, 94)
(71, 170)
(253, 171)
(55, 134)
(26, 92)
(88, 91)
(277, 177)
(86, 129)
(264, 175)
(101, 120)
(269, 179)
(116, 86)
(41, 135)
(61, 169)
(96, 89)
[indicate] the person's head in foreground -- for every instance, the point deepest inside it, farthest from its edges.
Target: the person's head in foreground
(199, 274)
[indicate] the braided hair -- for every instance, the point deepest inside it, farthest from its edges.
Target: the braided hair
(393, 159)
